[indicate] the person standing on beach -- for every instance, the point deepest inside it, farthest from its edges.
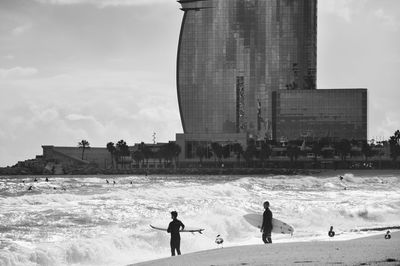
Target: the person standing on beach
(174, 228)
(266, 226)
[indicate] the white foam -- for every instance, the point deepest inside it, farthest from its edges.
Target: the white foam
(94, 223)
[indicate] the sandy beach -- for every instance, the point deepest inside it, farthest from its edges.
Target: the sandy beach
(372, 250)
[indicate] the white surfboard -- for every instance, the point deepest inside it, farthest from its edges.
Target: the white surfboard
(187, 229)
(278, 226)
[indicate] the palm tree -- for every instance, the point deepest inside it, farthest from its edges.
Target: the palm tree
(83, 144)
(111, 149)
(122, 151)
(343, 147)
(138, 157)
(226, 151)
(293, 152)
(238, 150)
(146, 151)
(250, 151)
(366, 149)
(394, 143)
(160, 154)
(265, 152)
(316, 149)
(217, 150)
(174, 150)
(201, 153)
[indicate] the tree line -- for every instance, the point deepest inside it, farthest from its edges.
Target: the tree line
(324, 147)
(121, 155)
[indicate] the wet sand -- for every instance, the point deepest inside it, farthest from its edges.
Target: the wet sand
(372, 250)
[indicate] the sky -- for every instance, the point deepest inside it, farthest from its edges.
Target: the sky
(104, 70)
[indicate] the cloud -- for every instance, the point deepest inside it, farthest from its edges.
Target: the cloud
(21, 29)
(18, 72)
(389, 124)
(45, 115)
(338, 7)
(9, 57)
(345, 9)
(99, 106)
(76, 117)
(388, 21)
(103, 3)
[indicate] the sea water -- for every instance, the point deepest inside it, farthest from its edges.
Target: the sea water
(81, 220)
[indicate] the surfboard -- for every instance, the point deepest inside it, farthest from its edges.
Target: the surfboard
(278, 226)
(186, 230)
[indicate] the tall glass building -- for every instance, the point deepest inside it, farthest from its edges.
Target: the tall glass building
(233, 54)
(334, 113)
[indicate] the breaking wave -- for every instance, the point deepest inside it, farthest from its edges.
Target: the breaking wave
(85, 221)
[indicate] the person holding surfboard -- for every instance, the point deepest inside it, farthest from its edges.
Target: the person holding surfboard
(174, 228)
(266, 226)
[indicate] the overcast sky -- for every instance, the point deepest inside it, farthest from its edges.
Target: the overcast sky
(104, 70)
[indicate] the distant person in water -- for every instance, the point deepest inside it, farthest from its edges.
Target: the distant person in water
(30, 188)
(341, 178)
(266, 226)
(107, 181)
(174, 228)
(47, 179)
(35, 180)
(331, 233)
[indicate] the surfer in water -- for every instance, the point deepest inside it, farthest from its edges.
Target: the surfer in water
(266, 226)
(174, 228)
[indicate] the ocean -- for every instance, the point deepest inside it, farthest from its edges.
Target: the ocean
(82, 220)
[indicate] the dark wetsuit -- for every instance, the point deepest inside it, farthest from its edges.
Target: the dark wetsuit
(267, 226)
(174, 228)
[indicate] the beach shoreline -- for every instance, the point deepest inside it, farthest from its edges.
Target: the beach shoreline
(218, 172)
(370, 250)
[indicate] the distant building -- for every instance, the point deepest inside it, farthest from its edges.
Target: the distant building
(333, 113)
(73, 156)
(101, 157)
(247, 70)
(233, 54)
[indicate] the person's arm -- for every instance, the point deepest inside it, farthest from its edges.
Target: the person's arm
(169, 228)
(182, 225)
(272, 226)
(262, 224)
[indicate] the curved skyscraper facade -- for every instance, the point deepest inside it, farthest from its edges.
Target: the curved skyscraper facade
(233, 54)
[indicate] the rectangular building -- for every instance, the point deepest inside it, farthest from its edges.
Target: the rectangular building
(334, 113)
